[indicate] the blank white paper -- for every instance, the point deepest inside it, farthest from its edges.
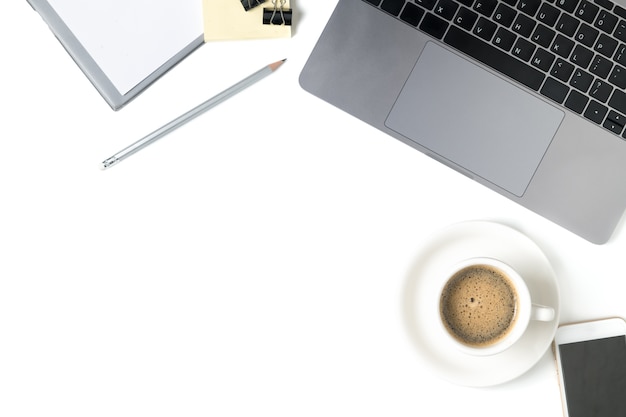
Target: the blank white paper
(130, 39)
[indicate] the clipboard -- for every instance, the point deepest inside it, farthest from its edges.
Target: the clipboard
(124, 46)
(229, 20)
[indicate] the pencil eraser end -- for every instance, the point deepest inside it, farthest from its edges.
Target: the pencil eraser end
(109, 162)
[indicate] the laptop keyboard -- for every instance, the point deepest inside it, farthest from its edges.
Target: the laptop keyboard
(570, 51)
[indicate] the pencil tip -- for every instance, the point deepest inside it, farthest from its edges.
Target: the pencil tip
(277, 64)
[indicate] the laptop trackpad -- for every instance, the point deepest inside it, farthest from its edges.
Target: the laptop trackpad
(475, 119)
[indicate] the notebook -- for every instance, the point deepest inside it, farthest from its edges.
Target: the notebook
(526, 97)
(123, 46)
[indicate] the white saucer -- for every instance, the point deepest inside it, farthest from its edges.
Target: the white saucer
(467, 240)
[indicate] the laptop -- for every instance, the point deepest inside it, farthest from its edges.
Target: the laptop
(124, 46)
(527, 97)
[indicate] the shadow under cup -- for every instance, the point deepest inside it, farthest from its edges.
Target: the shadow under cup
(485, 306)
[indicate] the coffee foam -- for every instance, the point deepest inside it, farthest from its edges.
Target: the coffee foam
(478, 305)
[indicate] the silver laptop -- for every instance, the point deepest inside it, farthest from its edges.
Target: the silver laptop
(525, 96)
(123, 46)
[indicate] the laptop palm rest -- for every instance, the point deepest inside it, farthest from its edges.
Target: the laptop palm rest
(474, 119)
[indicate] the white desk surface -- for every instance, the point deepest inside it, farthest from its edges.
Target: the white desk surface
(250, 263)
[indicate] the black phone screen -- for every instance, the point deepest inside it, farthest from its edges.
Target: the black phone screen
(594, 375)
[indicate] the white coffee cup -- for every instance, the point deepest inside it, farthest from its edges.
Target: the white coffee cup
(485, 306)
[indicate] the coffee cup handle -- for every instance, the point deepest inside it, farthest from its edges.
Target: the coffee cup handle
(542, 313)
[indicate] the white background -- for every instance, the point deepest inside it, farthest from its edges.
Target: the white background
(250, 263)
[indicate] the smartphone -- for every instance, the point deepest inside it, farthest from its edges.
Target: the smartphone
(591, 363)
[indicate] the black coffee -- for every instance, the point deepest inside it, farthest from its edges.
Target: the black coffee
(478, 305)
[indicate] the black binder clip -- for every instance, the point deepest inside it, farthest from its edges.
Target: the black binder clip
(250, 4)
(278, 15)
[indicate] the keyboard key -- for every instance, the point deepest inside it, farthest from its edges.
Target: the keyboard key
(467, 3)
(620, 55)
(581, 80)
(465, 18)
(586, 35)
(614, 122)
(562, 46)
(446, 9)
(504, 39)
(523, 25)
(618, 76)
(523, 49)
(620, 31)
(587, 11)
(543, 35)
(607, 4)
(567, 5)
(494, 58)
(392, 6)
(529, 7)
(485, 29)
(581, 56)
(600, 66)
(562, 70)
(412, 14)
(504, 15)
(433, 25)
(596, 112)
(615, 117)
(374, 2)
(548, 14)
(542, 59)
(606, 21)
(620, 11)
(600, 90)
(618, 101)
(567, 25)
(554, 90)
(605, 45)
(485, 7)
(612, 126)
(426, 4)
(576, 102)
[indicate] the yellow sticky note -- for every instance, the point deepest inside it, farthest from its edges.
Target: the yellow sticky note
(228, 20)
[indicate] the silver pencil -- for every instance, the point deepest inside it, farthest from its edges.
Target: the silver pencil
(191, 114)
